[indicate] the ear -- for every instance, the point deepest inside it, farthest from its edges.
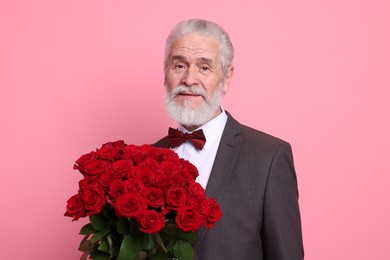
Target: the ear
(227, 80)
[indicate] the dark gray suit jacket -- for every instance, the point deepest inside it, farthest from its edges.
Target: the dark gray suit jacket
(253, 180)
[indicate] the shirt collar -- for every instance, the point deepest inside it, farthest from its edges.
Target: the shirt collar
(212, 129)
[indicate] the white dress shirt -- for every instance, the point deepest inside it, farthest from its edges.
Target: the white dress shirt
(204, 159)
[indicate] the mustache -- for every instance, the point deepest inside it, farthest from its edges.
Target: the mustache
(186, 89)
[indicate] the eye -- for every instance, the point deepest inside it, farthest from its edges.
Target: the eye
(179, 67)
(204, 69)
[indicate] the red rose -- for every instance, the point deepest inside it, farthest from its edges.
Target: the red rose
(195, 188)
(107, 177)
(132, 152)
(175, 198)
(190, 168)
(163, 182)
(214, 215)
(83, 160)
(169, 155)
(86, 158)
(188, 220)
(180, 180)
(150, 152)
(117, 188)
(130, 205)
(145, 175)
(151, 222)
(75, 207)
(96, 168)
(94, 199)
(122, 166)
(186, 177)
(117, 144)
(169, 168)
(133, 185)
(153, 196)
(108, 153)
(151, 164)
(87, 181)
(199, 203)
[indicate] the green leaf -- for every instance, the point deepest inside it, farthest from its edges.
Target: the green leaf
(85, 256)
(88, 229)
(171, 243)
(147, 241)
(99, 222)
(98, 236)
(85, 244)
(99, 255)
(110, 244)
(116, 242)
(123, 226)
(130, 248)
(104, 245)
(183, 250)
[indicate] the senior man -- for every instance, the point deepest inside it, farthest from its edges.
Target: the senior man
(250, 173)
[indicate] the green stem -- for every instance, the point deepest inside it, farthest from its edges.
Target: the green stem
(159, 242)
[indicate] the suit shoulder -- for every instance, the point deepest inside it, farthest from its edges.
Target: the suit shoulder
(260, 135)
(262, 139)
(163, 142)
(254, 138)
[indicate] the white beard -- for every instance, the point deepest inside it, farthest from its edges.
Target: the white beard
(188, 116)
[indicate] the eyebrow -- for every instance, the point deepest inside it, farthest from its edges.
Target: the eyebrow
(202, 59)
(178, 57)
(206, 60)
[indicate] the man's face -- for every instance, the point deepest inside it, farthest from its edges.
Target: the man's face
(194, 76)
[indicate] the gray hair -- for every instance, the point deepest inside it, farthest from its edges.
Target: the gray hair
(204, 28)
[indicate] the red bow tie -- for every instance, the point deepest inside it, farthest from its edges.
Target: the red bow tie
(177, 137)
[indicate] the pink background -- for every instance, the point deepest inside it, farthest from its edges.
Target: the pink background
(76, 74)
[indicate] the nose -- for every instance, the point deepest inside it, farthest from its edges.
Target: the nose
(190, 77)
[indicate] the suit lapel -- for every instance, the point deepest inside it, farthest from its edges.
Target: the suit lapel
(225, 159)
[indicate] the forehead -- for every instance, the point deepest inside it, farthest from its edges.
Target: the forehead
(197, 46)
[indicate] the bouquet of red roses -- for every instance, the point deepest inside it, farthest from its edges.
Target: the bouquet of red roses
(142, 202)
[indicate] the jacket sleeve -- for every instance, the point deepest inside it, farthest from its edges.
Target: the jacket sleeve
(281, 227)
